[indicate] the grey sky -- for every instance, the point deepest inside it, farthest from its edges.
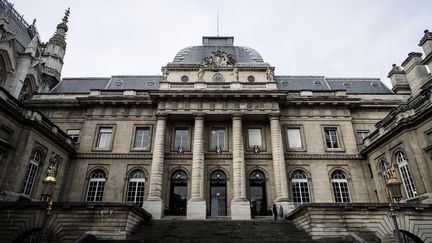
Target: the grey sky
(346, 38)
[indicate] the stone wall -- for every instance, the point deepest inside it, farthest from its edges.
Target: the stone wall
(363, 222)
(70, 221)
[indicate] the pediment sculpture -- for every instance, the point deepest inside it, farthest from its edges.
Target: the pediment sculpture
(217, 60)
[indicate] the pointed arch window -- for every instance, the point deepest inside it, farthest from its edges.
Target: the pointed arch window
(135, 190)
(405, 172)
(30, 177)
(300, 188)
(340, 187)
(96, 186)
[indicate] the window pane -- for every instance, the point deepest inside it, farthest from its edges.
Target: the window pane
(182, 138)
(294, 139)
(254, 135)
(331, 138)
(217, 138)
(142, 138)
(361, 135)
(104, 139)
(73, 134)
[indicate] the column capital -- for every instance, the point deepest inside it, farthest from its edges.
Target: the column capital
(274, 116)
(199, 115)
(161, 116)
(237, 115)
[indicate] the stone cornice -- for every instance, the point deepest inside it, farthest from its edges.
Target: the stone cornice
(329, 156)
(131, 155)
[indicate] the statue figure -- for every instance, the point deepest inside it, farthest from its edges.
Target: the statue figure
(200, 74)
(235, 73)
(164, 73)
(51, 170)
(269, 74)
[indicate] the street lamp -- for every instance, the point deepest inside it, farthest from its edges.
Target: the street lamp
(393, 193)
(49, 183)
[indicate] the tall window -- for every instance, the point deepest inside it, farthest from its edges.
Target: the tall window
(254, 137)
(142, 138)
(32, 170)
(182, 138)
(331, 137)
(406, 175)
(300, 188)
(294, 138)
(73, 134)
(218, 138)
(96, 186)
(340, 187)
(135, 190)
(361, 135)
(104, 137)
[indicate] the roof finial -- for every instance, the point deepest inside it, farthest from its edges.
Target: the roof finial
(66, 17)
(217, 23)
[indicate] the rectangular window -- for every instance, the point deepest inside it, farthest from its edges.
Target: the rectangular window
(255, 137)
(182, 138)
(217, 138)
(361, 135)
(104, 137)
(331, 137)
(73, 134)
(142, 138)
(294, 138)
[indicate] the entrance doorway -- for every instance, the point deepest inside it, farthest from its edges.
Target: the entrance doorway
(218, 193)
(257, 193)
(178, 194)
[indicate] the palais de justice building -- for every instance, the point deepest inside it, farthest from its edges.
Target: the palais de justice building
(219, 133)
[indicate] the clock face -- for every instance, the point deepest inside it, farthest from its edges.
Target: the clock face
(217, 77)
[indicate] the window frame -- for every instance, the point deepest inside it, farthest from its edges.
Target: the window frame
(299, 182)
(137, 180)
(37, 166)
(77, 136)
(211, 146)
(134, 133)
(302, 138)
(98, 182)
(404, 171)
(181, 127)
(339, 182)
(357, 135)
(263, 147)
(96, 137)
(339, 136)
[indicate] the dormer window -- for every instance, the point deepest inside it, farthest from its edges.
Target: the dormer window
(317, 83)
(184, 78)
(251, 79)
(375, 84)
(217, 77)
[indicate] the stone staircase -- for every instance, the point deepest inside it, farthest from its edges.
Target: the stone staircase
(217, 230)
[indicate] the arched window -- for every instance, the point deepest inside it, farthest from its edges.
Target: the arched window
(96, 186)
(135, 190)
(405, 172)
(35, 160)
(340, 187)
(300, 188)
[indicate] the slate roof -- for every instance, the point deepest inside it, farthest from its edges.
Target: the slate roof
(18, 24)
(320, 83)
(84, 85)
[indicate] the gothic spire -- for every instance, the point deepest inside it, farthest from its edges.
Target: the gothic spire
(60, 35)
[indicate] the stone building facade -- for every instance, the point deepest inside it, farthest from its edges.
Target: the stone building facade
(217, 134)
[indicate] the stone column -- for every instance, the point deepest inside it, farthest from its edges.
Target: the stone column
(240, 206)
(154, 203)
(196, 208)
(280, 177)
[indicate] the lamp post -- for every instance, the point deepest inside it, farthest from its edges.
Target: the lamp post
(394, 192)
(49, 183)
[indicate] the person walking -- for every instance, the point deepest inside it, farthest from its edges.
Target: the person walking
(274, 210)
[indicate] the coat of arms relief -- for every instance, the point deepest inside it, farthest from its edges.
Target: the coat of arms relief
(217, 60)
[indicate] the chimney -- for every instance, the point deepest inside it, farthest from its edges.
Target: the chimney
(399, 81)
(416, 73)
(426, 44)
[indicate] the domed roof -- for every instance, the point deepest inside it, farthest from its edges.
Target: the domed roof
(195, 54)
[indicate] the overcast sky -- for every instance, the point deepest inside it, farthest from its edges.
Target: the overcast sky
(346, 38)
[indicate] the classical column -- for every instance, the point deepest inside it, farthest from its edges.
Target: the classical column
(240, 207)
(280, 177)
(154, 203)
(196, 208)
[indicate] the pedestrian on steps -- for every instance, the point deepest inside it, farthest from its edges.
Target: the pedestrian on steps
(274, 210)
